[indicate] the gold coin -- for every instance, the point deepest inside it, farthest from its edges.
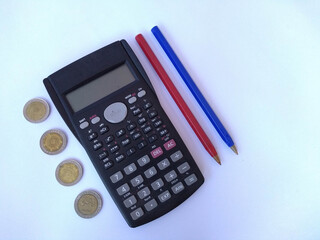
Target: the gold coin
(36, 110)
(69, 172)
(53, 141)
(88, 204)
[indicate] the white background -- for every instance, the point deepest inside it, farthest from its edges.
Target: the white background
(257, 64)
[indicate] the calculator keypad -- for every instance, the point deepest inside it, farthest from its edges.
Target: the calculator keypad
(144, 181)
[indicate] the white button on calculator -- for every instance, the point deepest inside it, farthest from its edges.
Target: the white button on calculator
(115, 112)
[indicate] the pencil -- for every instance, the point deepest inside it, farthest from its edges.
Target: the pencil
(194, 89)
(177, 97)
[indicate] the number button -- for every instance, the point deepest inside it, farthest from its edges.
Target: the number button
(136, 181)
(123, 189)
(116, 177)
(150, 172)
(130, 201)
(130, 168)
(157, 184)
(137, 214)
(143, 160)
(144, 193)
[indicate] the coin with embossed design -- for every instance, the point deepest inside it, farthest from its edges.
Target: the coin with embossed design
(53, 141)
(69, 172)
(88, 204)
(36, 110)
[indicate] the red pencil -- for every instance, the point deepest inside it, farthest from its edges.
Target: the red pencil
(177, 97)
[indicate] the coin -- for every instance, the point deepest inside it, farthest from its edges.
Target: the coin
(69, 172)
(36, 110)
(88, 204)
(53, 141)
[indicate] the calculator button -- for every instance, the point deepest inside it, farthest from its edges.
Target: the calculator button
(125, 142)
(150, 172)
(92, 136)
(109, 139)
(132, 100)
(164, 196)
(130, 168)
(136, 181)
(142, 120)
(151, 205)
(177, 188)
(114, 148)
(119, 158)
(108, 164)
(131, 126)
(147, 106)
(157, 184)
(157, 123)
(97, 146)
(115, 112)
(131, 151)
(130, 201)
(83, 125)
(116, 177)
(142, 144)
(103, 155)
(103, 130)
(183, 167)
(120, 132)
(136, 111)
(163, 164)
(143, 160)
(176, 156)
(170, 144)
(170, 176)
(141, 93)
(123, 189)
(147, 129)
(152, 138)
(156, 152)
(137, 214)
(145, 192)
(136, 135)
(95, 120)
(163, 132)
(152, 114)
(191, 179)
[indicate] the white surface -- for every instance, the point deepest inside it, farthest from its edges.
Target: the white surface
(256, 62)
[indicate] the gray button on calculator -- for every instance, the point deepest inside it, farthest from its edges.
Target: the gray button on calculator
(130, 201)
(176, 156)
(115, 112)
(116, 177)
(130, 168)
(177, 188)
(136, 181)
(157, 184)
(183, 167)
(164, 196)
(191, 179)
(123, 189)
(143, 160)
(151, 205)
(137, 213)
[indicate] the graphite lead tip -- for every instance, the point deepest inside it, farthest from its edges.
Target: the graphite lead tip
(217, 159)
(234, 149)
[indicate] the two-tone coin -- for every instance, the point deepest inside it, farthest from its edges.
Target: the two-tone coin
(69, 172)
(88, 204)
(36, 110)
(53, 141)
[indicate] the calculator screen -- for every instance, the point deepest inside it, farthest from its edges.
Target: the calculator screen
(100, 87)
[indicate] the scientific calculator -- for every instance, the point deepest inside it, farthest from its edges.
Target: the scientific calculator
(108, 102)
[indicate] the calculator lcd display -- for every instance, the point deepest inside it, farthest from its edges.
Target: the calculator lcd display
(100, 87)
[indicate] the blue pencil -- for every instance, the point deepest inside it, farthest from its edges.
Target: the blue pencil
(194, 89)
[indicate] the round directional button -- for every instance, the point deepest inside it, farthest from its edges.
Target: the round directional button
(115, 112)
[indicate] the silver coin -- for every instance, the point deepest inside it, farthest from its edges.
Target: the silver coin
(69, 172)
(88, 204)
(53, 141)
(36, 110)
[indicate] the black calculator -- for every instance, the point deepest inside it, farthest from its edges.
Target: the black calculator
(108, 102)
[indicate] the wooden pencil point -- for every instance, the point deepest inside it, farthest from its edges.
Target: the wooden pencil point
(234, 149)
(217, 159)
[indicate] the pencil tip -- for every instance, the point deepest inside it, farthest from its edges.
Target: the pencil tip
(234, 149)
(217, 159)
